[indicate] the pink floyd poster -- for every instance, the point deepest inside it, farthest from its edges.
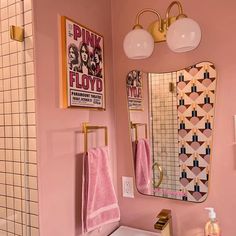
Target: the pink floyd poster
(83, 66)
(134, 90)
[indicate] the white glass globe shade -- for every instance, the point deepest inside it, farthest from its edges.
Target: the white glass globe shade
(138, 44)
(183, 35)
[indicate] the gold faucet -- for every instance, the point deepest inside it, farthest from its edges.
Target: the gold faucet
(164, 223)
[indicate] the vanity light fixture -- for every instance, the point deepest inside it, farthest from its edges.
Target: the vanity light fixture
(181, 33)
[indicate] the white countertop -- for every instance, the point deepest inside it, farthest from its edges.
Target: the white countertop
(128, 231)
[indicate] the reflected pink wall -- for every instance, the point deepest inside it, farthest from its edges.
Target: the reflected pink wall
(217, 19)
(59, 130)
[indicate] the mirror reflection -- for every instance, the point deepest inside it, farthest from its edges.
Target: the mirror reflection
(171, 121)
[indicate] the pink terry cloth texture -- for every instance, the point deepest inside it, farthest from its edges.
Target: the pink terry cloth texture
(100, 205)
(143, 167)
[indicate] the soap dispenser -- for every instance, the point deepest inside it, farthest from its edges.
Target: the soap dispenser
(212, 227)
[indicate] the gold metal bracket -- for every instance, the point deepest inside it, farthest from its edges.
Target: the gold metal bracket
(135, 127)
(153, 29)
(17, 33)
(86, 128)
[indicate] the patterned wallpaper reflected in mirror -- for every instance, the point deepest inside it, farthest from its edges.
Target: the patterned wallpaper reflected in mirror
(171, 116)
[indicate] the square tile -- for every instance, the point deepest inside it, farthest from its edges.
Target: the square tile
(10, 191)
(16, 131)
(3, 213)
(2, 178)
(15, 95)
(9, 155)
(13, 49)
(18, 229)
(32, 169)
(2, 167)
(8, 131)
(9, 179)
(30, 93)
(4, 13)
(31, 118)
(34, 208)
(12, 10)
(32, 144)
(32, 131)
(19, 20)
(28, 17)
(5, 37)
(13, 58)
(5, 25)
(5, 48)
(30, 106)
(6, 84)
(9, 167)
(28, 30)
(12, 21)
(2, 143)
(17, 192)
(29, 68)
(6, 72)
(27, 5)
(14, 71)
(28, 43)
(30, 81)
(16, 154)
(19, 7)
(3, 3)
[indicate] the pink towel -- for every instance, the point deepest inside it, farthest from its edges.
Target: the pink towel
(143, 167)
(100, 204)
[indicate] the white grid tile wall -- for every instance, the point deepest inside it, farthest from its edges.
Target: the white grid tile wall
(164, 133)
(18, 163)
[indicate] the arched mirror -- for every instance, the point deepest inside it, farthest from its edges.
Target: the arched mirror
(171, 125)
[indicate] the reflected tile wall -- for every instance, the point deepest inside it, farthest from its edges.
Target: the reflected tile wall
(165, 131)
(18, 162)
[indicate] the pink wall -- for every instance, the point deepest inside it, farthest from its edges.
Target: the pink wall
(58, 133)
(59, 130)
(217, 20)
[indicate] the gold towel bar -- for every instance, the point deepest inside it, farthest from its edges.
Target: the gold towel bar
(85, 130)
(135, 126)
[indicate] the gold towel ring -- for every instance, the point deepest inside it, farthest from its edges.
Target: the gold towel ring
(156, 185)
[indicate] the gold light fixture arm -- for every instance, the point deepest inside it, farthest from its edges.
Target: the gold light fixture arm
(180, 9)
(137, 24)
(156, 185)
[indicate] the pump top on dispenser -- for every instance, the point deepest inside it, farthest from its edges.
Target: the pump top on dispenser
(212, 214)
(212, 227)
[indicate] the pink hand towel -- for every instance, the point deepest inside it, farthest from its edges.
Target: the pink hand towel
(143, 167)
(100, 204)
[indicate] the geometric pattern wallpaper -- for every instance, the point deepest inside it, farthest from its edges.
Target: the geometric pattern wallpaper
(196, 87)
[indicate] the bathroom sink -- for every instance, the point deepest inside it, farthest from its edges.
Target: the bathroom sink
(128, 231)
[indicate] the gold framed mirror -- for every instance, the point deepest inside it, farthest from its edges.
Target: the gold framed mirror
(171, 125)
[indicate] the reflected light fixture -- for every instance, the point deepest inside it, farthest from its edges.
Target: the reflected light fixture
(181, 33)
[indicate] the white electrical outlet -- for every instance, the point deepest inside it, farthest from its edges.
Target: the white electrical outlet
(128, 186)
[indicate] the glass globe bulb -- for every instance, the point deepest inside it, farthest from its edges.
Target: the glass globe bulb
(183, 35)
(138, 44)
